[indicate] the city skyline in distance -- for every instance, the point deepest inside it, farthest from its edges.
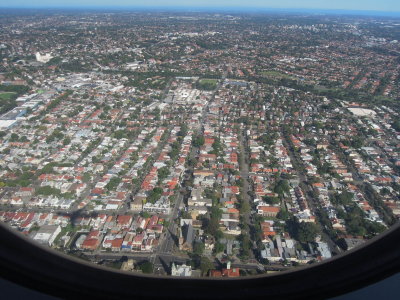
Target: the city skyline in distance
(387, 6)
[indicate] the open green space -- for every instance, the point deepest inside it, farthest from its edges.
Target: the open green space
(7, 101)
(207, 84)
(346, 94)
(6, 95)
(276, 74)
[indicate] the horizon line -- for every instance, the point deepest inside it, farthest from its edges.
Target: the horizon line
(208, 8)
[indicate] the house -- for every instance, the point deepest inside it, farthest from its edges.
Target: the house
(202, 173)
(268, 211)
(116, 244)
(323, 145)
(157, 228)
(153, 221)
(138, 241)
(149, 244)
(124, 221)
(227, 272)
(127, 243)
(25, 192)
(92, 241)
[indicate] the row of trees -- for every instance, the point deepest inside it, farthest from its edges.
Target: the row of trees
(198, 141)
(201, 262)
(304, 232)
(163, 173)
(154, 195)
(50, 191)
(113, 183)
(357, 225)
(217, 147)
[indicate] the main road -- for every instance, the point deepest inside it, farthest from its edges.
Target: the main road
(314, 204)
(244, 174)
(163, 261)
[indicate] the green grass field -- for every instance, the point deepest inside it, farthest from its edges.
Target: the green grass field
(6, 95)
(208, 81)
(207, 84)
(276, 74)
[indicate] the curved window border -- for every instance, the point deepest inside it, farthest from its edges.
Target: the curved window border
(34, 266)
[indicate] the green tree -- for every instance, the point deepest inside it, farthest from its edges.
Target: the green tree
(163, 173)
(304, 232)
(345, 198)
(244, 207)
(283, 214)
(146, 267)
(145, 214)
(119, 134)
(374, 228)
(212, 226)
(271, 200)
(384, 191)
(198, 141)
(183, 131)
(217, 147)
(86, 177)
(245, 246)
(218, 248)
(67, 141)
(154, 195)
(23, 139)
(14, 137)
(48, 191)
(282, 187)
(357, 142)
(396, 125)
(113, 183)
(186, 215)
(307, 232)
(198, 247)
(205, 265)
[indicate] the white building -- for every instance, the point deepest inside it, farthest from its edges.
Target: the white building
(47, 234)
(181, 271)
(43, 58)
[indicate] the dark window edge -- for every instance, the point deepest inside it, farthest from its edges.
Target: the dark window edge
(40, 268)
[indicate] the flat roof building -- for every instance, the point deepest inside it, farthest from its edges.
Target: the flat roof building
(47, 234)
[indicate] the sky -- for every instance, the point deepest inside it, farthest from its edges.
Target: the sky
(372, 5)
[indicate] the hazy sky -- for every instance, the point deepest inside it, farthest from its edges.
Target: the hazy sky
(377, 5)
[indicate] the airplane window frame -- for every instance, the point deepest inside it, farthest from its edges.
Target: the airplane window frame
(34, 266)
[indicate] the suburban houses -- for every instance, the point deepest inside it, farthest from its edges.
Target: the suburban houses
(168, 148)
